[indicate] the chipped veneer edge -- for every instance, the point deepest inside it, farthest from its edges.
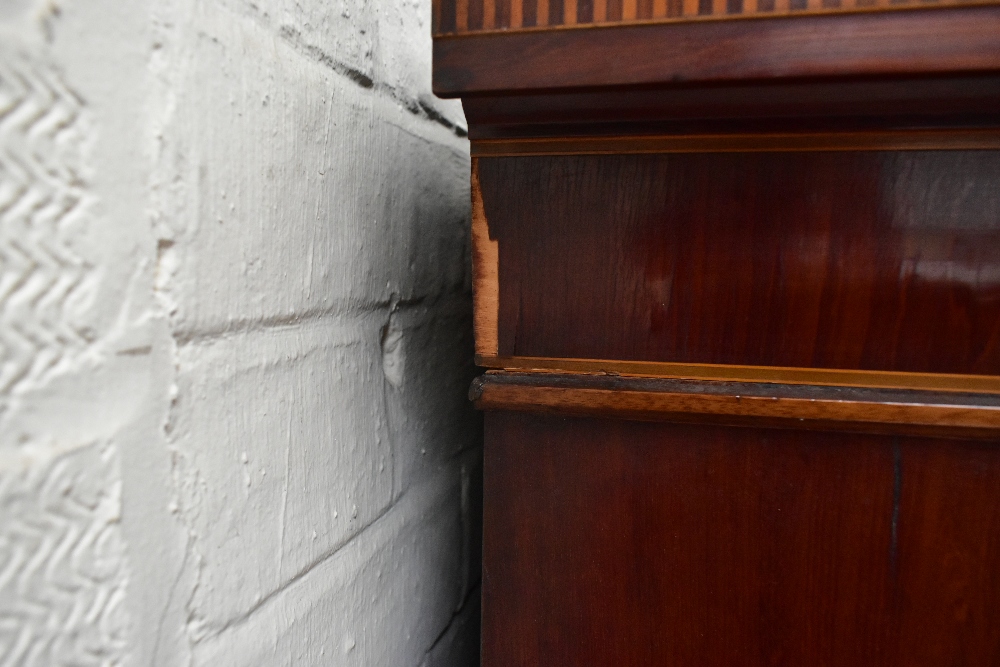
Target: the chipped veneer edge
(485, 275)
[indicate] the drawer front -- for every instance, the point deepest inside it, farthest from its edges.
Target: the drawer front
(872, 260)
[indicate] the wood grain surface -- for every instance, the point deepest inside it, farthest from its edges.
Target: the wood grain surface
(953, 40)
(485, 274)
(757, 142)
(860, 260)
(819, 377)
(864, 410)
(469, 16)
(928, 103)
(625, 543)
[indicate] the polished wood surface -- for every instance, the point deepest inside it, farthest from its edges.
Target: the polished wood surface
(809, 106)
(757, 142)
(737, 266)
(623, 543)
(951, 40)
(953, 415)
(788, 107)
(869, 260)
(466, 16)
(818, 377)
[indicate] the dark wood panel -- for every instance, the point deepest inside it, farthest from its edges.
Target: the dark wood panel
(758, 142)
(802, 407)
(777, 107)
(483, 15)
(866, 260)
(623, 543)
(922, 41)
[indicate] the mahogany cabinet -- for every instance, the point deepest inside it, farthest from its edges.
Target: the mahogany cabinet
(737, 299)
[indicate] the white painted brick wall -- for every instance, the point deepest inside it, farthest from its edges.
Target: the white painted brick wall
(235, 327)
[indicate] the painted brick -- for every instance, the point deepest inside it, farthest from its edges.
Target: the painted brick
(384, 45)
(303, 192)
(380, 600)
(283, 454)
(233, 416)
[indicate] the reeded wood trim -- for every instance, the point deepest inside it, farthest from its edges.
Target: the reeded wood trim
(914, 140)
(831, 377)
(485, 275)
(865, 410)
(921, 41)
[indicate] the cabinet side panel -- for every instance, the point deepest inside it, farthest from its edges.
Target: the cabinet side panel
(615, 542)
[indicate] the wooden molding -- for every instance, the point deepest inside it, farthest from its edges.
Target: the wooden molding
(485, 275)
(453, 20)
(911, 412)
(917, 42)
(801, 108)
(911, 140)
(830, 377)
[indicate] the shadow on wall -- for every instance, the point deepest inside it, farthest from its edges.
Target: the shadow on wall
(427, 353)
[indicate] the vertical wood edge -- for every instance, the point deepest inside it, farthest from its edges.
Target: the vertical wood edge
(485, 275)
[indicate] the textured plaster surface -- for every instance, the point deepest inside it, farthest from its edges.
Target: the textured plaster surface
(234, 338)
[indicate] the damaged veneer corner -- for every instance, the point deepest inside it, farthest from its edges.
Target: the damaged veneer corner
(485, 275)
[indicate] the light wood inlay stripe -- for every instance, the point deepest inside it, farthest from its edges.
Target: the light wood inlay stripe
(743, 404)
(833, 377)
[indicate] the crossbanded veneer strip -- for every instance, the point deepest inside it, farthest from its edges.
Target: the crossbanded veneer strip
(453, 17)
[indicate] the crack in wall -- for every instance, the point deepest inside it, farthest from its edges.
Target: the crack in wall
(414, 105)
(446, 302)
